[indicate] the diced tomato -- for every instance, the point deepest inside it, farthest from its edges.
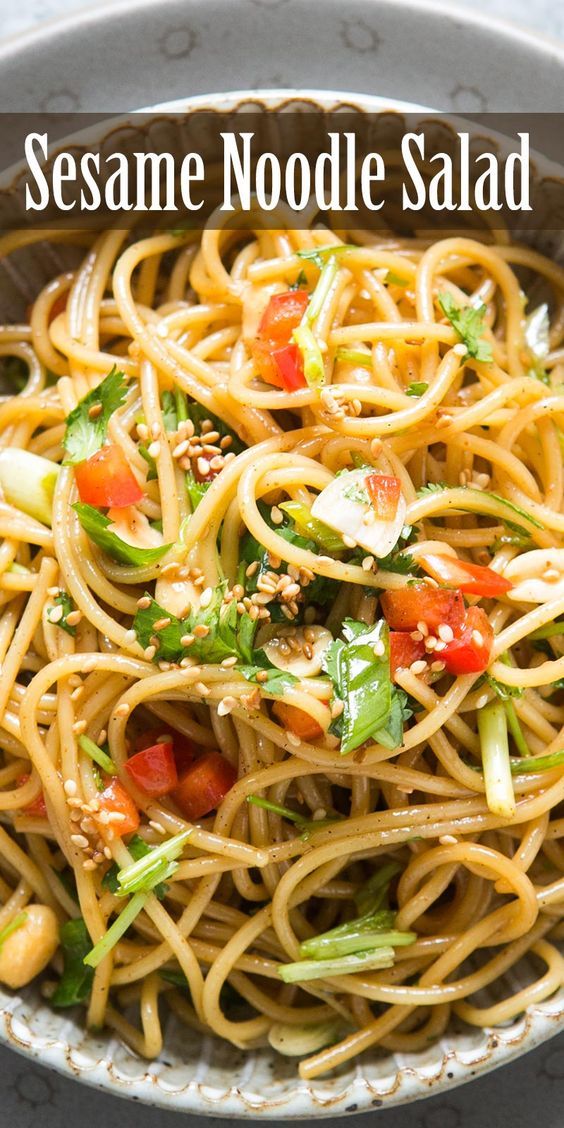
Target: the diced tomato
(37, 808)
(473, 579)
(154, 769)
(470, 651)
(384, 493)
(115, 800)
(297, 721)
(262, 354)
(106, 480)
(289, 363)
(405, 608)
(282, 315)
(184, 749)
(404, 650)
(204, 785)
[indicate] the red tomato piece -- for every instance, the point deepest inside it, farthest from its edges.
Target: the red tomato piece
(204, 785)
(154, 769)
(106, 480)
(473, 579)
(404, 650)
(267, 369)
(282, 315)
(38, 807)
(297, 721)
(405, 608)
(116, 800)
(384, 493)
(184, 749)
(289, 363)
(470, 651)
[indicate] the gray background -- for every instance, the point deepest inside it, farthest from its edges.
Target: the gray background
(517, 1096)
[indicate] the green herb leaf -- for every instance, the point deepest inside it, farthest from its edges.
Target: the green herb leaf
(83, 435)
(116, 931)
(277, 682)
(360, 935)
(320, 591)
(362, 681)
(152, 473)
(196, 490)
(152, 867)
(308, 526)
(314, 368)
(75, 983)
(229, 634)
(138, 849)
(470, 325)
(417, 388)
(96, 525)
(63, 600)
(304, 970)
(98, 755)
(320, 255)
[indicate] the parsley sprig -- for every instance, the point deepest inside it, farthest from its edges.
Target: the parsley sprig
(87, 424)
(469, 323)
(227, 633)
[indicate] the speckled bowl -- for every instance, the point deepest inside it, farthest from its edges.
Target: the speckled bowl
(138, 54)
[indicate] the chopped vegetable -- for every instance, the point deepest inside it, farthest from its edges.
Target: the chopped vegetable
(405, 608)
(309, 526)
(154, 769)
(221, 631)
(97, 527)
(306, 825)
(384, 493)
(305, 970)
(87, 425)
(320, 590)
(290, 365)
(272, 681)
(115, 801)
(116, 931)
(138, 849)
(184, 749)
(153, 866)
(297, 721)
(360, 357)
(321, 255)
(472, 579)
(295, 1040)
(360, 671)
(404, 650)
(346, 506)
(277, 359)
(492, 727)
(204, 785)
(75, 983)
(106, 480)
(360, 935)
(469, 323)
(416, 388)
(97, 754)
(282, 315)
(312, 359)
(470, 650)
(28, 482)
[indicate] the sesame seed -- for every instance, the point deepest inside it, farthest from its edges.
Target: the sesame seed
(77, 693)
(143, 432)
(228, 663)
(422, 628)
(551, 575)
(79, 840)
(53, 591)
(367, 563)
(181, 448)
(418, 667)
(250, 571)
(95, 410)
(203, 467)
(376, 446)
(226, 705)
(157, 826)
(445, 632)
(74, 802)
(56, 614)
(440, 646)
(443, 421)
(201, 688)
(430, 643)
(238, 591)
(293, 739)
(79, 727)
(161, 624)
(276, 515)
(201, 630)
(307, 651)
(144, 602)
(122, 710)
(416, 636)
(73, 619)
(115, 817)
(438, 667)
(89, 864)
(107, 853)
(262, 676)
(481, 701)
(149, 652)
(155, 430)
(349, 542)
(70, 787)
(187, 640)
(129, 637)
(309, 634)
(225, 442)
(154, 449)
(206, 597)
(448, 840)
(102, 736)
(337, 708)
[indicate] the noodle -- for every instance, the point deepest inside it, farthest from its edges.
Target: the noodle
(206, 638)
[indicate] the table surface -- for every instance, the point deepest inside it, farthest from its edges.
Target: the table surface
(512, 1097)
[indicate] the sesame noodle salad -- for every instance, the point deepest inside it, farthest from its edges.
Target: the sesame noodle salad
(282, 637)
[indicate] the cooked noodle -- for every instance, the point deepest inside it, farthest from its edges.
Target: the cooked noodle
(478, 888)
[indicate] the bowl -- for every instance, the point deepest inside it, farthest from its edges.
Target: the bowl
(202, 1075)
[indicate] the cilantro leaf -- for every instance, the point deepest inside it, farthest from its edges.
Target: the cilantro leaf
(432, 487)
(75, 983)
(416, 388)
(138, 848)
(63, 600)
(470, 325)
(276, 682)
(391, 734)
(85, 434)
(228, 633)
(195, 490)
(152, 473)
(400, 562)
(96, 525)
(320, 255)
(321, 590)
(362, 682)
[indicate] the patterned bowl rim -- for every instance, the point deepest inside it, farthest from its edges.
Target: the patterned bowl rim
(453, 1066)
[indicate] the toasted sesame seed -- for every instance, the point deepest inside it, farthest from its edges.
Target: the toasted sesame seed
(262, 676)
(155, 430)
(107, 853)
(228, 663)
(203, 467)
(367, 563)
(149, 652)
(73, 618)
(307, 650)
(430, 642)
(56, 614)
(418, 667)
(77, 693)
(187, 640)
(89, 864)
(122, 710)
(143, 432)
(349, 542)
(53, 592)
(448, 840)
(376, 446)
(116, 817)
(482, 700)
(154, 449)
(551, 575)
(161, 624)
(438, 667)
(206, 597)
(422, 628)
(129, 637)
(144, 602)
(337, 708)
(226, 705)
(460, 349)
(293, 739)
(157, 826)
(445, 632)
(181, 448)
(369, 518)
(443, 421)
(250, 571)
(276, 515)
(225, 442)
(440, 646)
(79, 840)
(79, 727)
(416, 636)
(202, 688)
(201, 630)
(74, 802)
(95, 410)
(379, 648)
(70, 787)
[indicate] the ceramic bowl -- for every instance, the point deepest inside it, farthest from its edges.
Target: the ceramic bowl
(140, 54)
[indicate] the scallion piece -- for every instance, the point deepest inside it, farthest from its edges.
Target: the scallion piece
(97, 755)
(28, 482)
(116, 931)
(538, 763)
(314, 368)
(309, 526)
(357, 936)
(550, 630)
(326, 278)
(157, 866)
(515, 727)
(345, 965)
(355, 356)
(492, 727)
